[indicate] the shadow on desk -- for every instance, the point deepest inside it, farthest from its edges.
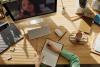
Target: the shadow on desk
(1, 60)
(25, 46)
(87, 20)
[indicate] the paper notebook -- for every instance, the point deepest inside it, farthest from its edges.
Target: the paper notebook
(96, 44)
(50, 58)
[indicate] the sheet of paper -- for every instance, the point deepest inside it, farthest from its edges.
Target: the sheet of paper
(97, 43)
(50, 58)
(71, 7)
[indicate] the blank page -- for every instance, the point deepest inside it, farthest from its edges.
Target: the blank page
(97, 43)
(50, 58)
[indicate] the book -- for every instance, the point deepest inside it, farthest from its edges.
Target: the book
(50, 58)
(96, 45)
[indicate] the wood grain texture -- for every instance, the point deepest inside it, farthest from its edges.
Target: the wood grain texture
(27, 51)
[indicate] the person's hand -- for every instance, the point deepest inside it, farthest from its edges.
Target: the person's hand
(39, 61)
(53, 48)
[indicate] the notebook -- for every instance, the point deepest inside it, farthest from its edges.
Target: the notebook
(9, 35)
(96, 44)
(50, 58)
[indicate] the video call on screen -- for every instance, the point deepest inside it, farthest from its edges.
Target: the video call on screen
(21, 9)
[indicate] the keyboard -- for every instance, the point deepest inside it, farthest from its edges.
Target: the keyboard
(39, 32)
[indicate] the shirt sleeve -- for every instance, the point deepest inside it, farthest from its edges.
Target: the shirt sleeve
(74, 60)
(97, 18)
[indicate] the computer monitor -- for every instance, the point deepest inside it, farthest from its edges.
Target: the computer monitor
(22, 9)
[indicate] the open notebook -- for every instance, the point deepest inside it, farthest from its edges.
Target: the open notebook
(50, 58)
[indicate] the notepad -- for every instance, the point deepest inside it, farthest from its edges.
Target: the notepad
(97, 43)
(50, 58)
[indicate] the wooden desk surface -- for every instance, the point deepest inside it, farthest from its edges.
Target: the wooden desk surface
(26, 51)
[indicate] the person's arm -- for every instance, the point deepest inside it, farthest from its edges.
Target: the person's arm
(39, 63)
(74, 60)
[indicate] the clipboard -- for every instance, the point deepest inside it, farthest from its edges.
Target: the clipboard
(50, 58)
